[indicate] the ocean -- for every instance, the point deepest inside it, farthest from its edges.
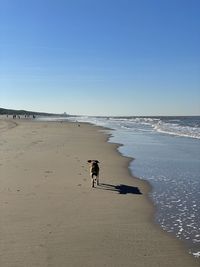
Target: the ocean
(166, 153)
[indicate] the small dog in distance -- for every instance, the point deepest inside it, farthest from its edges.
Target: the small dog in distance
(94, 171)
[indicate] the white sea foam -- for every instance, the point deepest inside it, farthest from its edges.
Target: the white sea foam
(173, 126)
(170, 126)
(174, 129)
(196, 254)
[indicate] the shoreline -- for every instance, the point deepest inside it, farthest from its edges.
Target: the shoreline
(187, 241)
(148, 188)
(119, 240)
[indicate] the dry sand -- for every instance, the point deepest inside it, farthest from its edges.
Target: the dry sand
(50, 216)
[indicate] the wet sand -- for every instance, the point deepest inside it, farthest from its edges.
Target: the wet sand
(50, 215)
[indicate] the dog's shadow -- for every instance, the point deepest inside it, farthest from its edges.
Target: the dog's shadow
(121, 189)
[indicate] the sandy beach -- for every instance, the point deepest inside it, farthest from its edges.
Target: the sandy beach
(50, 215)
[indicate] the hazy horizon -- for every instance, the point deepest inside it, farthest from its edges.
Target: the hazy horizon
(86, 115)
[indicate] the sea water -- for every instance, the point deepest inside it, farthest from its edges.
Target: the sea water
(166, 153)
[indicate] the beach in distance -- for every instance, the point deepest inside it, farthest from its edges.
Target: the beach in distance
(50, 215)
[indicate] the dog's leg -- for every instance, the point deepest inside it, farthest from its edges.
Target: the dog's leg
(97, 179)
(92, 181)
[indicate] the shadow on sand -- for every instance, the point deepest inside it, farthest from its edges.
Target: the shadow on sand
(121, 189)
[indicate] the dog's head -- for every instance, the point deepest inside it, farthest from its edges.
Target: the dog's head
(93, 162)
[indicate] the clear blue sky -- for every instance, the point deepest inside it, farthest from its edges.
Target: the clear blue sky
(101, 57)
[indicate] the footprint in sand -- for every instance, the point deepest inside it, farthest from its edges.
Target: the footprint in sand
(48, 171)
(77, 159)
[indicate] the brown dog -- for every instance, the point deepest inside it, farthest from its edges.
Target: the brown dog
(94, 172)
